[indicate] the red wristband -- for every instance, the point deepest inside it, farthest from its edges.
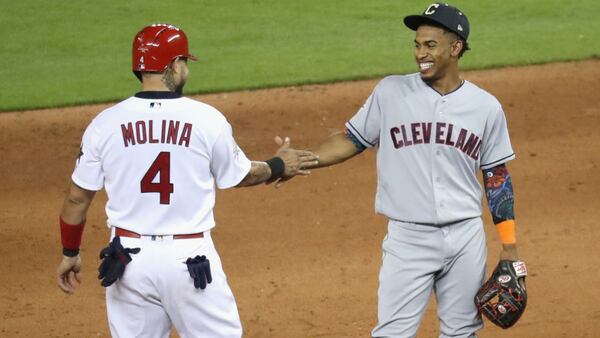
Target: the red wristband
(70, 235)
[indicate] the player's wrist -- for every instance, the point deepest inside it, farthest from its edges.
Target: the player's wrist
(70, 253)
(509, 252)
(70, 235)
(277, 167)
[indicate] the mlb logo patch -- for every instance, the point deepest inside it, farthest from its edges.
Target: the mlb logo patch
(155, 104)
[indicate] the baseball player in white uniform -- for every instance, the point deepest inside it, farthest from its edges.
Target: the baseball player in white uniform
(159, 156)
(433, 131)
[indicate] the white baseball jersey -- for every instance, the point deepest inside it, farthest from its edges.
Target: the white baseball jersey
(158, 156)
(431, 147)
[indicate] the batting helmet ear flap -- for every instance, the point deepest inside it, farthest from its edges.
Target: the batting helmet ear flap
(138, 74)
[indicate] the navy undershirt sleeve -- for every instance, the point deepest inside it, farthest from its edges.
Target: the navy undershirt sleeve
(499, 193)
(359, 146)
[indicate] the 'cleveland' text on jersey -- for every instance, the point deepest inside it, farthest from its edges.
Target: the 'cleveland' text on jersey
(420, 133)
(431, 147)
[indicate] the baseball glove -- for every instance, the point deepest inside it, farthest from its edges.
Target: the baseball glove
(502, 299)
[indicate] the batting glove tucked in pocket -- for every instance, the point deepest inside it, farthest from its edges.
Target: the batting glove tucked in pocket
(199, 269)
(114, 259)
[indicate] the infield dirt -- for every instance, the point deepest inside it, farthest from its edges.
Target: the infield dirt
(303, 260)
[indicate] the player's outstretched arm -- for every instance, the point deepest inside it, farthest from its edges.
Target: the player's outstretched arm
(337, 148)
(500, 196)
(286, 163)
(72, 220)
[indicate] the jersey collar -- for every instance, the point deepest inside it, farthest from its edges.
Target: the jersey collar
(462, 82)
(157, 95)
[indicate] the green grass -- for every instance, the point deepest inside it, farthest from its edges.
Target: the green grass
(57, 53)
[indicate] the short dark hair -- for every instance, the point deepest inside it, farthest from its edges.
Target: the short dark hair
(464, 43)
(454, 36)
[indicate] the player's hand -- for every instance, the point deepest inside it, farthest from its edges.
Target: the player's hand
(68, 274)
(295, 160)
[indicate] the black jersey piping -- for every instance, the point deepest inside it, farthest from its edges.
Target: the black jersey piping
(157, 95)
(356, 133)
(440, 94)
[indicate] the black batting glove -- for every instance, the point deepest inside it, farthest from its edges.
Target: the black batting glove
(199, 269)
(114, 259)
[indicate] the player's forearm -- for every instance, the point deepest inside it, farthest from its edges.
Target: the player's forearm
(72, 219)
(499, 193)
(76, 205)
(259, 173)
(335, 149)
(500, 196)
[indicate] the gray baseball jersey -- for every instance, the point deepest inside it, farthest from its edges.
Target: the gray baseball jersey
(430, 147)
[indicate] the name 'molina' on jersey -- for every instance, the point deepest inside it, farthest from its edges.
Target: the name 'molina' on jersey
(141, 132)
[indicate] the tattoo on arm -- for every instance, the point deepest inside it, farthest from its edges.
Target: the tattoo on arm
(259, 173)
(359, 146)
(499, 193)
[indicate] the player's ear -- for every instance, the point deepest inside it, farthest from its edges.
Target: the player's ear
(456, 47)
(174, 66)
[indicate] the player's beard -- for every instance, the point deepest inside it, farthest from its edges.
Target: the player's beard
(179, 88)
(169, 80)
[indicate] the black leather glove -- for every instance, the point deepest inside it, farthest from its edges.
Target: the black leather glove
(199, 269)
(114, 259)
(503, 298)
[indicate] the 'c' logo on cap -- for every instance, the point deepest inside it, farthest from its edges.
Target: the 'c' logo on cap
(431, 9)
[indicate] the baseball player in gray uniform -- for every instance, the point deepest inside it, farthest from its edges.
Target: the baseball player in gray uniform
(433, 131)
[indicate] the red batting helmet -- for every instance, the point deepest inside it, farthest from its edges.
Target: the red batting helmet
(156, 46)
